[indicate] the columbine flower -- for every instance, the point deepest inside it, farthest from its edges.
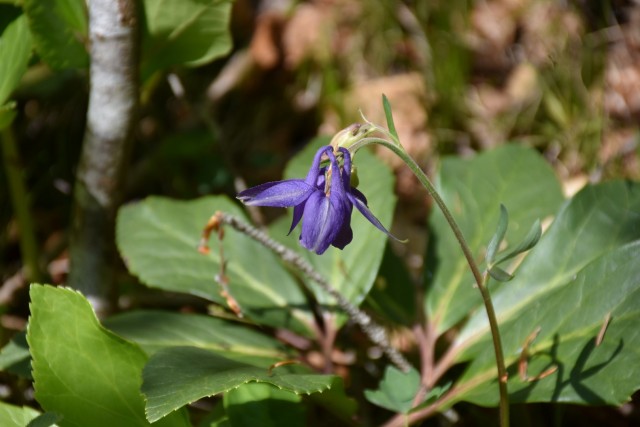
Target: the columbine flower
(324, 198)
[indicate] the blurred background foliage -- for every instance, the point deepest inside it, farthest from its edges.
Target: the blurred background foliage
(463, 76)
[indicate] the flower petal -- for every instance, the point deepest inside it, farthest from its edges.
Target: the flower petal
(322, 222)
(298, 210)
(360, 202)
(314, 170)
(346, 167)
(281, 194)
(344, 236)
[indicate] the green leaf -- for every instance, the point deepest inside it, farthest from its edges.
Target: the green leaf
(158, 239)
(16, 416)
(389, 116)
(7, 114)
(15, 356)
(351, 271)
(396, 390)
(47, 419)
(15, 51)
(178, 376)
(155, 330)
(393, 292)
(530, 240)
(499, 274)
(82, 371)
(259, 404)
(184, 32)
(60, 31)
(513, 175)
(501, 230)
(584, 269)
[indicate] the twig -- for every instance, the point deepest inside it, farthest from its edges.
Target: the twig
(375, 332)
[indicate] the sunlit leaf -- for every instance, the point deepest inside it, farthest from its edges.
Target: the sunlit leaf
(16, 416)
(473, 189)
(82, 371)
(583, 271)
(158, 239)
(389, 116)
(184, 32)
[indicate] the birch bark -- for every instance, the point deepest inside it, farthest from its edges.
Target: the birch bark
(111, 115)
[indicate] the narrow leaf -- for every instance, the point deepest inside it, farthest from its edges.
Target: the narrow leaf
(389, 115)
(501, 230)
(530, 240)
(177, 376)
(499, 274)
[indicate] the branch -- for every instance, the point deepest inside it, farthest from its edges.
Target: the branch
(113, 100)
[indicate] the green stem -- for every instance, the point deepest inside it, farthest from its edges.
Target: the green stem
(20, 202)
(480, 280)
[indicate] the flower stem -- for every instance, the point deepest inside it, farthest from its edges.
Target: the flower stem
(481, 280)
(21, 204)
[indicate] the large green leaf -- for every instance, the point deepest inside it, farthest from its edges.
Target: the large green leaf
(584, 268)
(155, 330)
(351, 271)
(15, 50)
(158, 239)
(259, 404)
(473, 189)
(177, 376)
(60, 31)
(184, 32)
(82, 371)
(16, 416)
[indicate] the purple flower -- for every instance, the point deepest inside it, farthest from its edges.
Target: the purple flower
(325, 199)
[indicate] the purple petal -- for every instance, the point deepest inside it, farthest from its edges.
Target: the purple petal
(346, 179)
(280, 194)
(344, 236)
(360, 202)
(314, 170)
(322, 222)
(298, 210)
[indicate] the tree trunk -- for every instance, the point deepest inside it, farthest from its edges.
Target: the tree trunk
(111, 115)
